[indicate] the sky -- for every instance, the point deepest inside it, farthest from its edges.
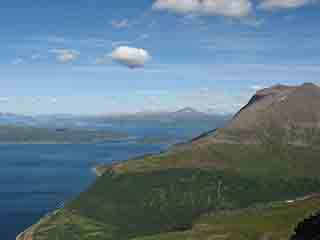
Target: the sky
(120, 56)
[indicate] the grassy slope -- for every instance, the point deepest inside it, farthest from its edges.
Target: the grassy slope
(66, 225)
(274, 223)
(148, 203)
(248, 160)
(169, 192)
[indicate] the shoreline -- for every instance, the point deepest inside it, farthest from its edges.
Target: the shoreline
(28, 233)
(98, 170)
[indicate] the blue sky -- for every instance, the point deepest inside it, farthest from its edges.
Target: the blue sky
(61, 56)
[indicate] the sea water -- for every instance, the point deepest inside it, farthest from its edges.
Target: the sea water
(36, 179)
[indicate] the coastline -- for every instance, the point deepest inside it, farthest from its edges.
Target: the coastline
(99, 170)
(28, 233)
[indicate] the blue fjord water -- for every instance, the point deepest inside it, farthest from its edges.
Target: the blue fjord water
(36, 179)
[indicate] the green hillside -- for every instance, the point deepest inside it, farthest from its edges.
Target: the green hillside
(276, 221)
(249, 160)
(169, 192)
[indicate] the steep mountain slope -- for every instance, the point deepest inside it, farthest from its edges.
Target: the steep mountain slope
(275, 109)
(171, 191)
(284, 104)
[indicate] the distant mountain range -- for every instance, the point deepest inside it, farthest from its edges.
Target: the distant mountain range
(186, 113)
(11, 118)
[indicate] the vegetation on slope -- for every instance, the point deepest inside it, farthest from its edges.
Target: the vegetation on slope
(274, 222)
(130, 205)
(66, 225)
(244, 159)
(146, 203)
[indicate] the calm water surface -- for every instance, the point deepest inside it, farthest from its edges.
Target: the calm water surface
(35, 179)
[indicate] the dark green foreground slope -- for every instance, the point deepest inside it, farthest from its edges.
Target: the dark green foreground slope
(276, 221)
(170, 192)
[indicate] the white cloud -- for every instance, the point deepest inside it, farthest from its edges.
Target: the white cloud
(284, 4)
(53, 100)
(124, 23)
(130, 57)
(65, 55)
(37, 56)
(17, 61)
(4, 99)
(35, 99)
(229, 8)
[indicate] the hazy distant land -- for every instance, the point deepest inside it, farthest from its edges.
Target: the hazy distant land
(10, 134)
